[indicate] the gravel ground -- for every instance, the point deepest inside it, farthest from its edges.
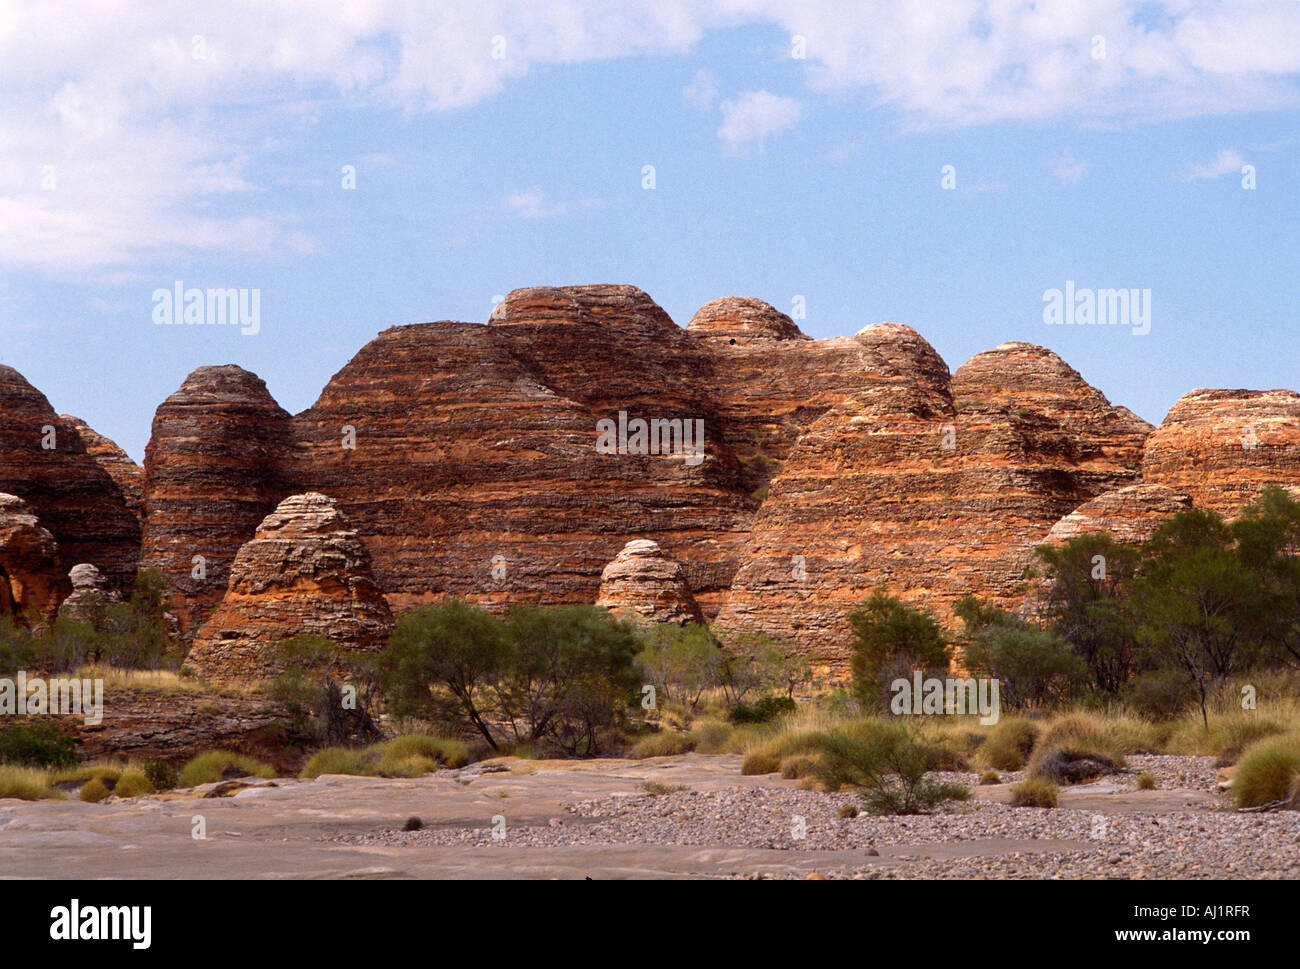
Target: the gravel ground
(1193, 843)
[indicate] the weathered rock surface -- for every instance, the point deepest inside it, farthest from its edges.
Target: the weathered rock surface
(1222, 447)
(216, 464)
(1129, 514)
(32, 583)
(645, 585)
(44, 461)
(91, 593)
(126, 474)
(475, 470)
(305, 571)
(932, 488)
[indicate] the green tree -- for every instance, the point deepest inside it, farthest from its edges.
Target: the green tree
(445, 660)
(1087, 604)
(889, 636)
(1196, 602)
(1033, 666)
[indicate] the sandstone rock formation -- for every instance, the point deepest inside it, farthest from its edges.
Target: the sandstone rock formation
(44, 461)
(126, 474)
(32, 583)
(1129, 514)
(933, 488)
(644, 585)
(475, 469)
(305, 572)
(91, 593)
(1222, 447)
(214, 467)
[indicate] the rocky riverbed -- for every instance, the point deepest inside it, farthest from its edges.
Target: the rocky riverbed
(690, 816)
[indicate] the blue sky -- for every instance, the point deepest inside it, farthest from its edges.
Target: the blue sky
(143, 145)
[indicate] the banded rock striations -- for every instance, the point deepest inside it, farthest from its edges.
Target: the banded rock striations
(1221, 447)
(305, 572)
(933, 487)
(126, 474)
(1130, 514)
(44, 461)
(644, 585)
(218, 461)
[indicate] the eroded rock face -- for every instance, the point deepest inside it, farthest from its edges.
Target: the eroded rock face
(1222, 447)
(305, 572)
(44, 461)
(32, 583)
(737, 319)
(1130, 514)
(91, 593)
(476, 471)
(645, 585)
(126, 474)
(216, 464)
(932, 488)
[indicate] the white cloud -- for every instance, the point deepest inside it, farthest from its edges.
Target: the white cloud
(702, 92)
(1226, 162)
(153, 113)
(1070, 169)
(531, 204)
(756, 116)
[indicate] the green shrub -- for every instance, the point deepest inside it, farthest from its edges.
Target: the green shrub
(888, 761)
(1147, 781)
(218, 765)
(990, 777)
(890, 637)
(38, 744)
(847, 811)
(448, 753)
(94, 791)
(764, 710)
(1267, 771)
(161, 775)
(1009, 744)
(133, 783)
(341, 760)
(1038, 792)
(665, 743)
(656, 788)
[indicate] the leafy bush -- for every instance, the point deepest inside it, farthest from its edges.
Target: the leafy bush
(1267, 771)
(133, 783)
(683, 662)
(160, 774)
(1009, 744)
(563, 676)
(1034, 667)
(1037, 792)
(886, 633)
(1147, 781)
(38, 744)
(764, 710)
(217, 765)
(890, 762)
